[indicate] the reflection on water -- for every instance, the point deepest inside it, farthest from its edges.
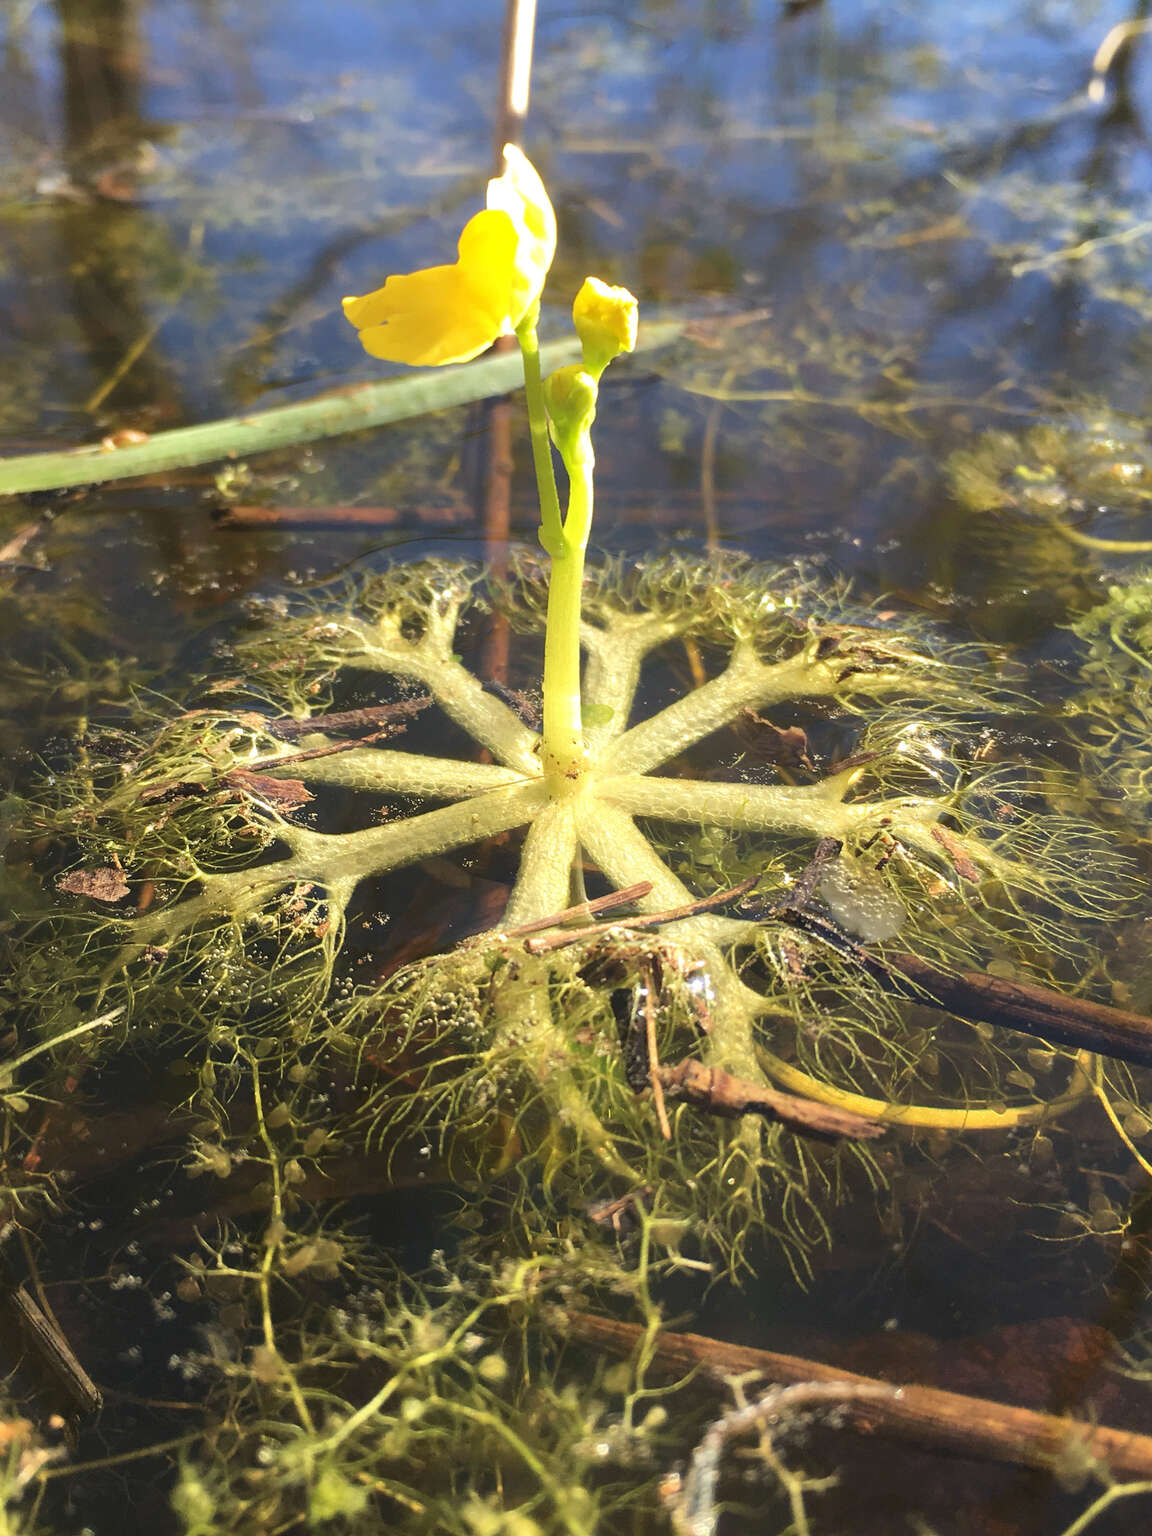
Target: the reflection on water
(914, 257)
(917, 223)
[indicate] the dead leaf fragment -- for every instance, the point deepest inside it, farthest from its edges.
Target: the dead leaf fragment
(786, 746)
(14, 548)
(720, 1093)
(284, 794)
(956, 851)
(104, 884)
(126, 437)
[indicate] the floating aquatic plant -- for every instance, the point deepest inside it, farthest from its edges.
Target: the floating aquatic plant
(1114, 709)
(216, 875)
(245, 907)
(241, 905)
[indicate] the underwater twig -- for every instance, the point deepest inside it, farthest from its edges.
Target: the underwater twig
(1034, 1010)
(45, 1341)
(956, 1421)
(720, 1093)
(329, 515)
(582, 909)
(553, 941)
(655, 1071)
(981, 998)
(370, 717)
(330, 750)
(827, 849)
(692, 1506)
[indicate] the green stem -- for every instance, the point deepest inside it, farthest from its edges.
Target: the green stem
(565, 540)
(10, 1068)
(344, 410)
(564, 756)
(551, 523)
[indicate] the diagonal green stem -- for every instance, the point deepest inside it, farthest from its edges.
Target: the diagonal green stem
(344, 410)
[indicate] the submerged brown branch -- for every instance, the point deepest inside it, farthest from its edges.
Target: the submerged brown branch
(553, 941)
(370, 718)
(49, 1351)
(984, 999)
(1071, 1021)
(583, 909)
(950, 1421)
(720, 1093)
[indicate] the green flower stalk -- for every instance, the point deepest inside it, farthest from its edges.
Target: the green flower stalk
(448, 314)
(605, 320)
(570, 395)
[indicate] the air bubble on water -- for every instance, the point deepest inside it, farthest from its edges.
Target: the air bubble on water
(861, 900)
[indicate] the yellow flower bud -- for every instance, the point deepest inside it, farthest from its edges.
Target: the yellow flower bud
(605, 320)
(570, 397)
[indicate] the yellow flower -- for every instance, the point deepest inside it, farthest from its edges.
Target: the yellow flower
(450, 314)
(605, 320)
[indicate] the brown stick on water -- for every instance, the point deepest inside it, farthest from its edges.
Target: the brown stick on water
(552, 941)
(1034, 1010)
(51, 1351)
(329, 517)
(583, 910)
(949, 1421)
(511, 109)
(719, 1093)
(655, 1070)
(985, 999)
(370, 717)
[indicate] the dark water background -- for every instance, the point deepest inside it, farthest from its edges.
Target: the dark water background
(891, 199)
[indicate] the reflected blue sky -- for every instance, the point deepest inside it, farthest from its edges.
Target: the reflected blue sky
(888, 186)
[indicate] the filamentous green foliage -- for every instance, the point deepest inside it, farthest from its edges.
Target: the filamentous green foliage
(1113, 713)
(1035, 501)
(443, 1406)
(224, 912)
(195, 903)
(1070, 468)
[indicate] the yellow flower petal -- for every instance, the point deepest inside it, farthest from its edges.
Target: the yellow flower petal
(444, 314)
(449, 314)
(521, 195)
(488, 246)
(453, 332)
